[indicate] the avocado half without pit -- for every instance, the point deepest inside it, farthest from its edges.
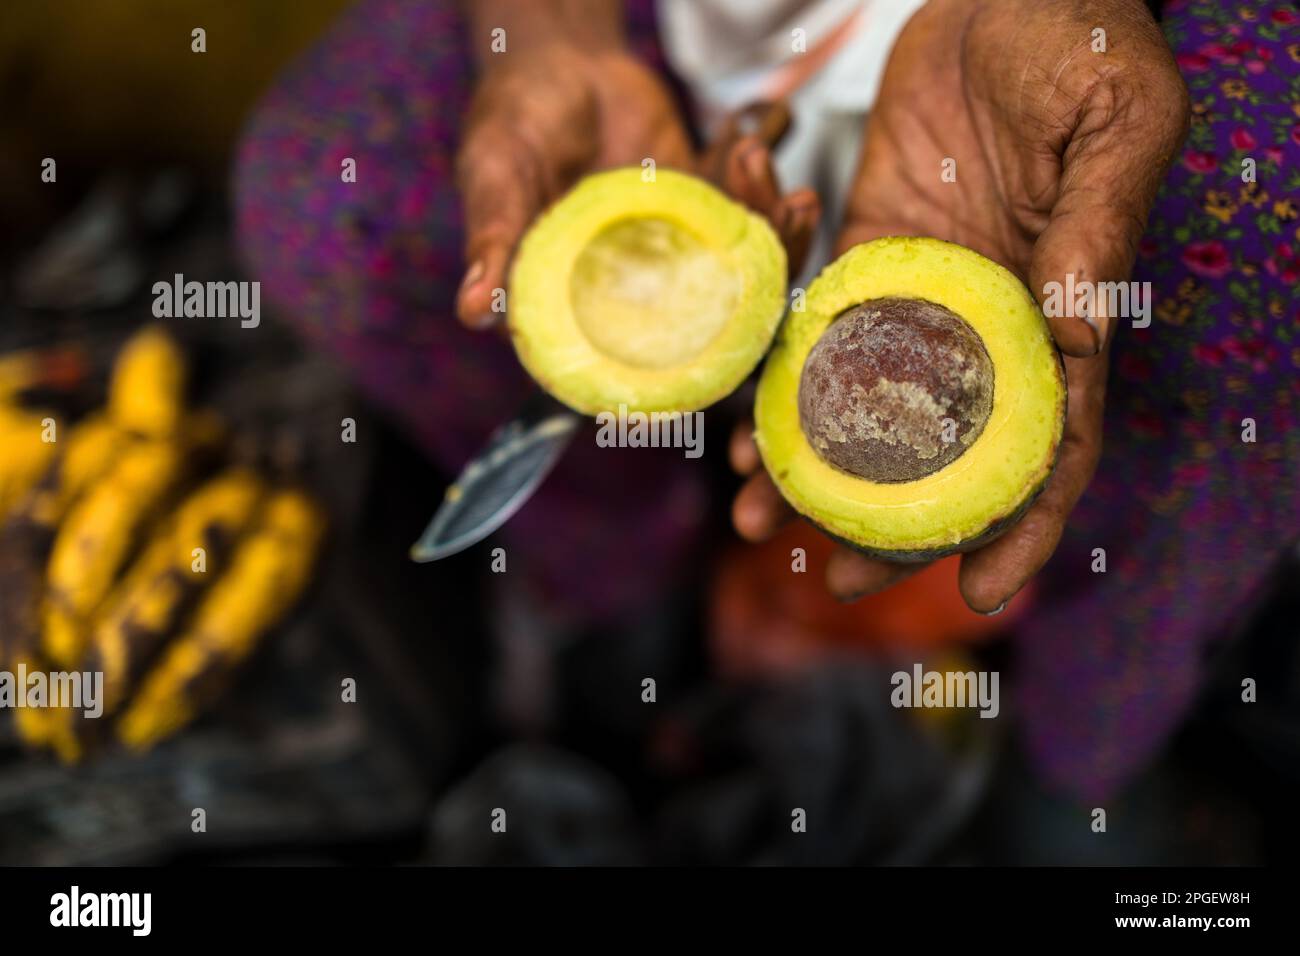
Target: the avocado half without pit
(660, 295)
(914, 407)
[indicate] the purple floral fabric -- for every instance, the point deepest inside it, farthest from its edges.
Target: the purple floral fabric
(1191, 517)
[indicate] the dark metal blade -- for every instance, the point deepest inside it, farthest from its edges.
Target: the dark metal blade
(497, 483)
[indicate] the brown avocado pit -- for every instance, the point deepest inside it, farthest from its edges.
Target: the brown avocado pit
(854, 438)
(895, 389)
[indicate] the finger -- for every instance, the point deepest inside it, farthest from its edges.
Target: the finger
(992, 575)
(740, 161)
(751, 179)
(742, 451)
(796, 220)
(851, 575)
(1112, 167)
(769, 120)
(502, 193)
(478, 300)
(759, 511)
(749, 176)
(766, 121)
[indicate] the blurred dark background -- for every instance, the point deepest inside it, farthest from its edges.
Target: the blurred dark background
(708, 774)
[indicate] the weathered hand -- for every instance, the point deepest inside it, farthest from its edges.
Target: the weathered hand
(1059, 152)
(543, 118)
(538, 121)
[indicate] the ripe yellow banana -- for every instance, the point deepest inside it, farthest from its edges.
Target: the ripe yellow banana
(267, 573)
(146, 394)
(25, 455)
(95, 540)
(146, 608)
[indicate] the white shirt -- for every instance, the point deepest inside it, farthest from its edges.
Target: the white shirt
(825, 58)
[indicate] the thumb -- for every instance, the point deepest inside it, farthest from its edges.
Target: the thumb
(501, 191)
(1111, 171)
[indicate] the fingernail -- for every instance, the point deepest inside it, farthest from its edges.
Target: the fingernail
(997, 610)
(473, 275)
(483, 320)
(1098, 324)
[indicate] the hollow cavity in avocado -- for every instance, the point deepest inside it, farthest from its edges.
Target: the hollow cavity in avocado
(656, 295)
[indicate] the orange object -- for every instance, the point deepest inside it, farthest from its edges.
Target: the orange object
(766, 617)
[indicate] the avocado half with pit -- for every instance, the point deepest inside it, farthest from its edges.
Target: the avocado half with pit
(659, 295)
(915, 406)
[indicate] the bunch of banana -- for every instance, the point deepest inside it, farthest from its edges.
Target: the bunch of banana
(121, 556)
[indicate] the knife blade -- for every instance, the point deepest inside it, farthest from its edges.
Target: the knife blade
(500, 479)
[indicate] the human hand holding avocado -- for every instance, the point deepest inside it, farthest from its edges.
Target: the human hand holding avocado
(1000, 128)
(1059, 153)
(564, 98)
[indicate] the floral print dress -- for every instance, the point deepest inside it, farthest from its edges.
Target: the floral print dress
(1190, 514)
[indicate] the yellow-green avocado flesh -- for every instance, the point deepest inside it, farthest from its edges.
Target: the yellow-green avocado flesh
(969, 500)
(659, 295)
